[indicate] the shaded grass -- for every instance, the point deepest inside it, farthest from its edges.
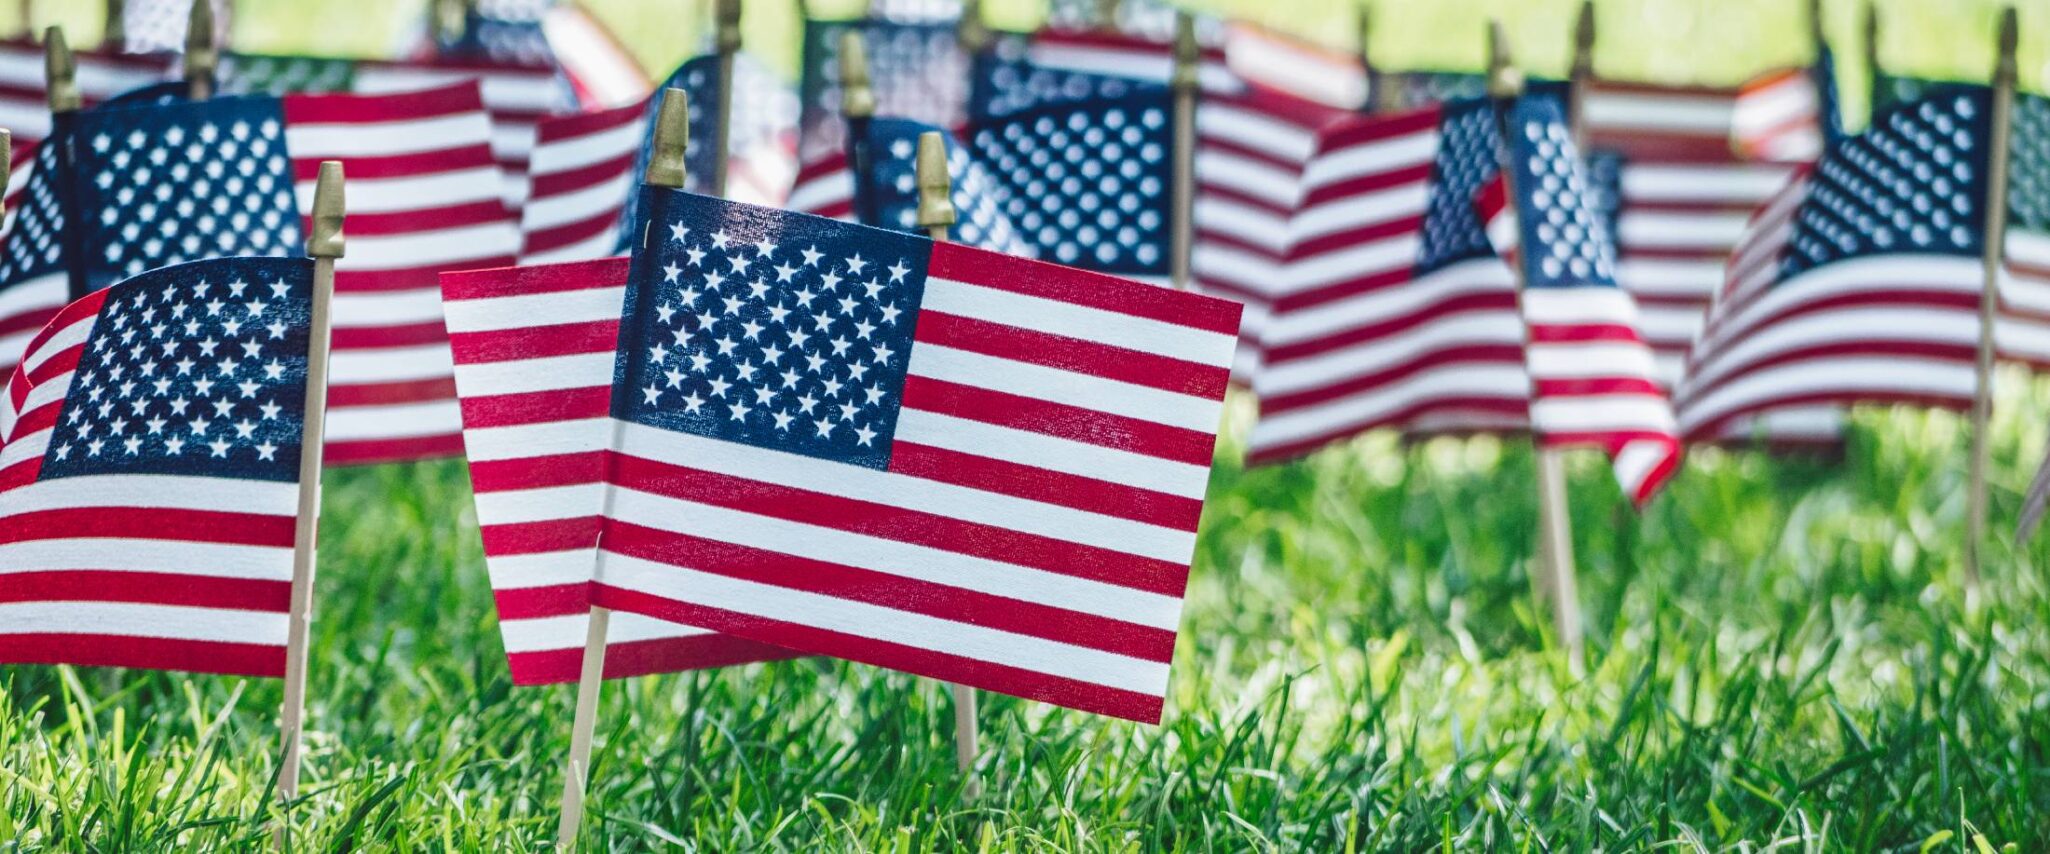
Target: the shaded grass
(1781, 654)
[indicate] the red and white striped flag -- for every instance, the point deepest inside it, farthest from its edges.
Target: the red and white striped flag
(423, 199)
(516, 97)
(824, 187)
(582, 174)
(1394, 311)
(534, 352)
(147, 509)
(1006, 497)
(603, 71)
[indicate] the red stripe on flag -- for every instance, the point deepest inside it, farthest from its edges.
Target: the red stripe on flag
(1069, 422)
(155, 588)
(1046, 486)
(1077, 355)
(154, 523)
(1063, 284)
(232, 659)
(642, 658)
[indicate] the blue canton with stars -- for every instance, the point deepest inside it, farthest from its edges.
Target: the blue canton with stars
(1088, 183)
(1913, 182)
(1564, 239)
(891, 199)
(1468, 158)
(197, 369)
(699, 80)
(769, 328)
(2028, 172)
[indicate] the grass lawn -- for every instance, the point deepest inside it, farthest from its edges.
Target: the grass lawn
(1782, 653)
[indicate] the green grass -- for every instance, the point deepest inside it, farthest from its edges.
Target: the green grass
(1782, 652)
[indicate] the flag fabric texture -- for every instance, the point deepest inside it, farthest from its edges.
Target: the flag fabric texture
(149, 464)
(1860, 282)
(1395, 310)
(119, 191)
(534, 353)
(585, 167)
(1592, 378)
(952, 462)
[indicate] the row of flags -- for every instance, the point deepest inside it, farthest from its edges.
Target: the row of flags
(790, 422)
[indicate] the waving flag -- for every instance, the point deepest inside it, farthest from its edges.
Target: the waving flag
(149, 472)
(534, 352)
(120, 191)
(1396, 311)
(965, 465)
(1861, 281)
(1592, 378)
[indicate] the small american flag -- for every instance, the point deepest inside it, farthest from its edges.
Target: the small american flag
(1859, 282)
(119, 191)
(149, 472)
(952, 462)
(534, 352)
(1395, 310)
(1592, 377)
(918, 71)
(978, 194)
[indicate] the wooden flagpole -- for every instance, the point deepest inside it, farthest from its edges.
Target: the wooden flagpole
(936, 215)
(1377, 100)
(1557, 580)
(202, 54)
(1872, 66)
(114, 36)
(857, 106)
(60, 73)
(1989, 294)
(665, 169)
(728, 44)
(324, 245)
(1107, 15)
(973, 31)
(1185, 80)
(1581, 75)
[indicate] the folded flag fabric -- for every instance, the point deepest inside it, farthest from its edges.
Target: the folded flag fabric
(534, 355)
(1860, 282)
(1592, 378)
(584, 166)
(860, 443)
(119, 191)
(149, 464)
(1395, 310)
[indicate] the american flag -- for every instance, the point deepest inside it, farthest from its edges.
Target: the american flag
(584, 166)
(1592, 378)
(149, 472)
(1395, 311)
(423, 199)
(978, 193)
(919, 71)
(1006, 497)
(534, 352)
(1860, 282)
(2023, 333)
(119, 191)
(603, 72)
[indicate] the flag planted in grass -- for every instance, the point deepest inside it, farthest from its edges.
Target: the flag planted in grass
(924, 456)
(149, 466)
(534, 350)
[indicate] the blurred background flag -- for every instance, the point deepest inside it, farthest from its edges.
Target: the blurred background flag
(918, 71)
(1395, 310)
(1593, 382)
(149, 472)
(25, 94)
(922, 456)
(159, 26)
(534, 353)
(979, 197)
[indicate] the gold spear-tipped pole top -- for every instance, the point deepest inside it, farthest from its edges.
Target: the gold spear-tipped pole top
(6, 161)
(2004, 72)
(728, 19)
(1505, 80)
(935, 187)
(857, 100)
(115, 36)
(974, 31)
(326, 239)
(61, 70)
(671, 142)
(1107, 14)
(1815, 23)
(1186, 54)
(1871, 36)
(1363, 22)
(452, 17)
(1583, 42)
(202, 54)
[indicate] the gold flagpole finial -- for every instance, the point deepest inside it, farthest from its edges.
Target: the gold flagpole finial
(202, 55)
(1107, 15)
(1583, 42)
(857, 100)
(671, 142)
(935, 187)
(728, 20)
(974, 31)
(115, 36)
(1363, 21)
(1186, 54)
(6, 161)
(2004, 69)
(1505, 80)
(325, 241)
(1815, 35)
(1871, 39)
(61, 69)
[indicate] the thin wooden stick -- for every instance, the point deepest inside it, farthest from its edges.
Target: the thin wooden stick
(60, 73)
(936, 215)
(202, 53)
(728, 44)
(1557, 580)
(1107, 15)
(665, 169)
(324, 245)
(857, 106)
(1376, 101)
(1989, 293)
(1872, 65)
(1581, 75)
(114, 36)
(973, 31)
(1182, 233)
